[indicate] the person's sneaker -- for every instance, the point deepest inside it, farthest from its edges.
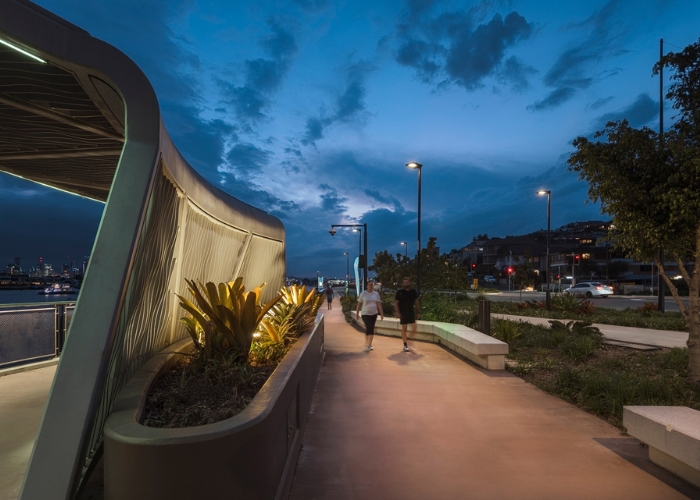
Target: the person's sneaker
(405, 348)
(368, 348)
(371, 348)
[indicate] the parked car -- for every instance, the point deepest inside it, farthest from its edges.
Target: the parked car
(489, 279)
(592, 289)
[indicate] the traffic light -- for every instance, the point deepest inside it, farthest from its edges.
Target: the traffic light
(577, 259)
(510, 270)
(558, 276)
(473, 266)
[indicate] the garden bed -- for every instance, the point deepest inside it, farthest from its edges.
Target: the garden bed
(196, 392)
(598, 378)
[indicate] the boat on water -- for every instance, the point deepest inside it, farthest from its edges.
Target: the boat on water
(59, 289)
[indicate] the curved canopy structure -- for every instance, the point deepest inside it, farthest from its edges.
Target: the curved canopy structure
(78, 115)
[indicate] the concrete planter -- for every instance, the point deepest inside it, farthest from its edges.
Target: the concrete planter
(251, 455)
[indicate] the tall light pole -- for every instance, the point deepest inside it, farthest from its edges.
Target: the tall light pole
(356, 227)
(548, 300)
(417, 166)
(405, 244)
(347, 265)
(661, 300)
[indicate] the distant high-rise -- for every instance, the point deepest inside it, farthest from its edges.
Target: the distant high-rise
(85, 263)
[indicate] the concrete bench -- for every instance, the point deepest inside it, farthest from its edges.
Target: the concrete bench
(673, 436)
(477, 347)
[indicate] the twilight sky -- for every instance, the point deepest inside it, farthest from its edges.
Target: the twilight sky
(309, 109)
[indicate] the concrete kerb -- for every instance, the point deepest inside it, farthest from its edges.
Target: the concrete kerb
(475, 346)
(30, 366)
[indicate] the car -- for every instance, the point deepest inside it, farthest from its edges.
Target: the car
(489, 279)
(591, 289)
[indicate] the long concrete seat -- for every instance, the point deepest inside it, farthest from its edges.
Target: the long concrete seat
(672, 434)
(477, 347)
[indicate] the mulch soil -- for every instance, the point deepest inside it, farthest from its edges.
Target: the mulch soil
(193, 393)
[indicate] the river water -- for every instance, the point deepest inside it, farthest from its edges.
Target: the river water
(33, 297)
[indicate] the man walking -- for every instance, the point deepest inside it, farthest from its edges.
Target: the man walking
(407, 306)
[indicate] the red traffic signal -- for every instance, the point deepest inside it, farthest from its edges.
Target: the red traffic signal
(577, 258)
(473, 266)
(510, 270)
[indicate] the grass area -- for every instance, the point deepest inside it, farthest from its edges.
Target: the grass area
(574, 365)
(595, 314)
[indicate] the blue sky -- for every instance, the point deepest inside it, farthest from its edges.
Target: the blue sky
(309, 109)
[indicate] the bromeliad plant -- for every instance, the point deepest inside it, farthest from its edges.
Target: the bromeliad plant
(225, 317)
(293, 315)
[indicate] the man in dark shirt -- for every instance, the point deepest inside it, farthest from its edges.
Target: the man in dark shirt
(404, 303)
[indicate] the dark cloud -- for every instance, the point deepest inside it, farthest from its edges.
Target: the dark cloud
(577, 67)
(516, 74)
(246, 160)
(331, 201)
(451, 48)
(263, 77)
(643, 110)
(387, 200)
(599, 103)
(349, 104)
(554, 99)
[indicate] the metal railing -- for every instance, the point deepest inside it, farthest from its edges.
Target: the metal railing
(33, 332)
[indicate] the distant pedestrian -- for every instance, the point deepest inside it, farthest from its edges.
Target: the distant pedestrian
(369, 304)
(329, 297)
(407, 307)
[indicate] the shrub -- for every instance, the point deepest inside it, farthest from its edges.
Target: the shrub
(648, 307)
(225, 318)
(506, 331)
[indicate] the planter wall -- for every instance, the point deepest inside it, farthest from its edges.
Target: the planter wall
(249, 456)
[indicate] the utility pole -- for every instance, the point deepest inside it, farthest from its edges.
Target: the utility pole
(661, 304)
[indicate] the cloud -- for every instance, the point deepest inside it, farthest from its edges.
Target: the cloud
(554, 99)
(349, 105)
(331, 201)
(387, 200)
(576, 67)
(599, 103)
(246, 160)
(516, 74)
(643, 110)
(452, 47)
(262, 76)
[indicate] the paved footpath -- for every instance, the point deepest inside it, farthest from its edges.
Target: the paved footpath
(22, 400)
(426, 425)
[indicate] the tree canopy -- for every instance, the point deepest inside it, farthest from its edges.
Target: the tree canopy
(650, 184)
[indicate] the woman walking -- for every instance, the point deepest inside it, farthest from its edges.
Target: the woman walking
(368, 305)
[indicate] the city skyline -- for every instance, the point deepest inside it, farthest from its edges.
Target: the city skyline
(310, 109)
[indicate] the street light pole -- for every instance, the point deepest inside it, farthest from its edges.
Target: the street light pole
(356, 227)
(347, 265)
(548, 299)
(419, 167)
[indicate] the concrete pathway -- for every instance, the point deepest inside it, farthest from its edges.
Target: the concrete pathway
(23, 397)
(644, 336)
(426, 425)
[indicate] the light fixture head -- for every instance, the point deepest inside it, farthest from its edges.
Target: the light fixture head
(355, 229)
(543, 191)
(413, 164)
(332, 231)
(345, 253)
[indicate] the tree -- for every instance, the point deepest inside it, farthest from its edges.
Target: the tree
(651, 187)
(390, 270)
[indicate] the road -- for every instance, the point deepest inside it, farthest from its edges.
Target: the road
(618, 302)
